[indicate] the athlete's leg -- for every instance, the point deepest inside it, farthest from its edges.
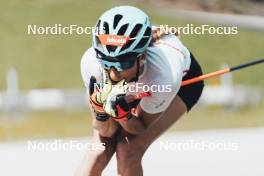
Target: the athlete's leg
(128, 156)
(130, 149)
(96, 160)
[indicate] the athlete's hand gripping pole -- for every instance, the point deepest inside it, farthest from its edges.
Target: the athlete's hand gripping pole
(116, 104)
(98, 95)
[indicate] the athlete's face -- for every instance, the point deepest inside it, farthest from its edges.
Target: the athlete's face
(127, 74)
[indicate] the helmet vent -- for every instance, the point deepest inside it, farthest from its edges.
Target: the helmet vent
(135, 31)
(117, 18)
(142, 43)
(111, 48)
(98, 27)
(106, 28)
(147, 32)
(123, 29)
(145, 40)
(127, 45)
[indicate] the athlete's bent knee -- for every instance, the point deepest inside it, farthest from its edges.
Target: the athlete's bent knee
(128, 155)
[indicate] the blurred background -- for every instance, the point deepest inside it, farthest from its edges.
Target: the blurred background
(42, 95)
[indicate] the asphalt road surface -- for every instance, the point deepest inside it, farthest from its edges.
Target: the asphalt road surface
(236, 152)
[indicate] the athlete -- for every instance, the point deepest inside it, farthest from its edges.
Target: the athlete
(129, 58)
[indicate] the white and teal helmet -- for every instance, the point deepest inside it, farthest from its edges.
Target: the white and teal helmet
(122, 30)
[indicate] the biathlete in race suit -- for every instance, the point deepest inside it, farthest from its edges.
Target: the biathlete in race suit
(130, 56)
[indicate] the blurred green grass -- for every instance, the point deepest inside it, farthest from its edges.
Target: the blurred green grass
(220, 118)
(45, 124)
(46, 61)
(61, 124)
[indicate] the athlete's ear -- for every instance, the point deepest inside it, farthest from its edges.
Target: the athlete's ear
(142, 59)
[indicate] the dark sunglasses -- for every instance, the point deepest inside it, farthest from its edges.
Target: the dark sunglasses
(120, 63)
(119, 66)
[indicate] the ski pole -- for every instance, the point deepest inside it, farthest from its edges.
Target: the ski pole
(209, 75)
